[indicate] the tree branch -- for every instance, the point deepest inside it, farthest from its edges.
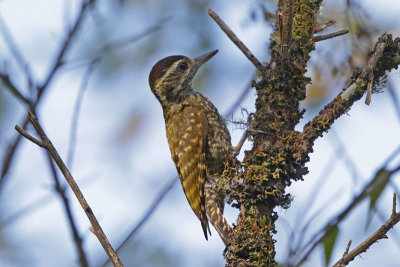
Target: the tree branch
(379, 234)
(82, 201)
(29, 137)
(13, 89)
(235, 39)
(15, 51)
(77, 108)
(385, 56)
(285, 24)
(59, 59)
(329, 36)
(67, 208)
(157, 201)
(322, 26)
(65, 44)
(380, 178)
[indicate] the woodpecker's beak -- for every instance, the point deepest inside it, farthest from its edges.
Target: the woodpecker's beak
(199, 61)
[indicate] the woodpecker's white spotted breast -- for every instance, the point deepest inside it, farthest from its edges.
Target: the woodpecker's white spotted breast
(218, 138)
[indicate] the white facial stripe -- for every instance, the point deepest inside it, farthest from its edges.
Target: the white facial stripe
(170, 69)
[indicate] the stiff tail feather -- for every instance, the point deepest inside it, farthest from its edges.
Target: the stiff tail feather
(214, 208)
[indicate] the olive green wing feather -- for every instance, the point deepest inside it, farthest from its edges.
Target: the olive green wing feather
(187, 137)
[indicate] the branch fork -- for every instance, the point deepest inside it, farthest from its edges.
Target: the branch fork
(47, 144)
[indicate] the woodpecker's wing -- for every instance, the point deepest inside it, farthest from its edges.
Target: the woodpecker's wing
(187, 137)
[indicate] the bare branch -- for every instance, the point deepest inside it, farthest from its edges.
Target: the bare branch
(29, 137)
(235, 39)
(82, 201)
(323, 26)
(15, 51)
(72, 224)
(379, 234)
(329, 36)
(319, 236)
(13, 89)
(120, 43)
(347, 248)
(7, 161)
(77, 108)
(59, 59)
(378, 64)
(160, 196)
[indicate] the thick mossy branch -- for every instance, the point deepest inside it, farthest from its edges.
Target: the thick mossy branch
(274, 161)
(279, 152)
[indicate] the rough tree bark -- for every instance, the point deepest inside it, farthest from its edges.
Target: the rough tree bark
(279, 153)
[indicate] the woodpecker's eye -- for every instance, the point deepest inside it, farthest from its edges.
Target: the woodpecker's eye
(183, 66)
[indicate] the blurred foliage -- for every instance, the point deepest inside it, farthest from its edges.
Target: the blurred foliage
(329, 243)
(380, 181)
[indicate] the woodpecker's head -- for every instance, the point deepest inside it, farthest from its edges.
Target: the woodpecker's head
(172, 77)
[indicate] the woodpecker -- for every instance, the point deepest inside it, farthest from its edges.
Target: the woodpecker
(198, 138)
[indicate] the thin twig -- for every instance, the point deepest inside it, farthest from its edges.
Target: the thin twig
(323, 26)
(71, 221)
(15, 51)
(59, 59)
(368, 71)
(235, 39)
(75, 115)
(329, 36)
(122, 42)
(82, 201)
(114, 45)
(29, 137)
(160, 196)
(7, 161)
(8, 158)
(13, 88)
(240, 98)
(379, 234)
(369, 88)
(347, 248)
(30, 208)
(319, 236)
(343, 102)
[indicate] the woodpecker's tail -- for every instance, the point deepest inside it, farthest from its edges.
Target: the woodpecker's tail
(215, 207)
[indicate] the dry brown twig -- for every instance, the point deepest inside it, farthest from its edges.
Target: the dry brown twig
(378, 235)
(60, 190)
(329, 36)
(343, 102)
(320, 235)
(46, 143)
(235, 39)
(323, 26)
(40, 89)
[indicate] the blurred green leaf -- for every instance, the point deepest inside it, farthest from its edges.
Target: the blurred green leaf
(329, 243)
(379, 183)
